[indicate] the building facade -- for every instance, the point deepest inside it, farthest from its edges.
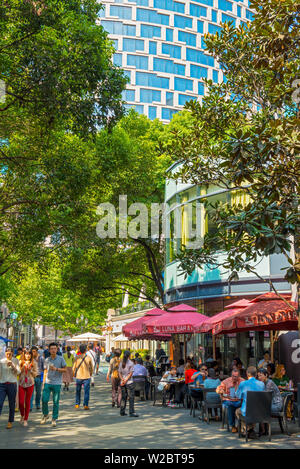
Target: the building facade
(117, 318)
(208, 288)
(160, 45)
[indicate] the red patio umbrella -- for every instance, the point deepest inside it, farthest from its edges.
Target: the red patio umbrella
(266, 312)
(134, 330)
(179, 319)
(227, 313)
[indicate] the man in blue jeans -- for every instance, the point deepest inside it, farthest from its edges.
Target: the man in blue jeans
(39, 359)
(83, 371)
(228, 389)
(54, 367)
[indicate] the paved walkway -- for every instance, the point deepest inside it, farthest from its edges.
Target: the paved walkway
(103, 427)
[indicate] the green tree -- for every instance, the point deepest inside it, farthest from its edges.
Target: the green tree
(39, 296)
(131, 165)
(244, 138)
(61, 85)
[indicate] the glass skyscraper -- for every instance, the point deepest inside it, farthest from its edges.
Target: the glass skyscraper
(160, 44)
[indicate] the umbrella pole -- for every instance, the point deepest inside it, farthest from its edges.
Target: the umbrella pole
(272, 345)
(214, 346)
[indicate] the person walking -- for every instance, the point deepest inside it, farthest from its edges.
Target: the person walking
(83, 370)
(9, 370)
(39, 360)
(98, 351)
(28, 369)
(127, 384)
(114, 377)
(68, 374)
(92, 354)
(54, 367)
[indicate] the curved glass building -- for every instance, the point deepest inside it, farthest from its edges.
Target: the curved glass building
(208, 288)
(193, 219)
(160, 44)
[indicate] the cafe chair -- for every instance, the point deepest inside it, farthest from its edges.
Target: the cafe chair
(225, 420)
(196, 401)
(140, 386)
(208, 406)
(282, 416)
(258, 410)
(298, 403)
(157, 392)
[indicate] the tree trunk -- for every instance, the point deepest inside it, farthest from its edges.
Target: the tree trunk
(176, 349)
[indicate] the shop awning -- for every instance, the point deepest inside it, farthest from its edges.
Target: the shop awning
(135, 329)
(87, 337)
(120, 338)
(179, 319)
(266, 312)
(229, 310)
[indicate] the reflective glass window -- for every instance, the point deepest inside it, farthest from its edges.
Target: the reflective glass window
(197, 10)
(182, 22)
(117, 60)
(151, 79)
(131, 45)
(148, 96)
(188, 38)
(249, 15)
(167, 113)
(121, 12)
(169, 99)
(168, 66)
(169, 35)
(138, 61)
(183, 98)
(183, 84)
(209, 3)
(200, 26)
(215, 76)
(194, 55)
(214, 16)
(227, 18)
(129, 30)
(150, 16)
(224, 5)
(201, 88)
(152, 111)
(129, 95)
(213, 28)
(150, 31)
(172, 50)
(169, 5)
(152, 48)
(198, 72)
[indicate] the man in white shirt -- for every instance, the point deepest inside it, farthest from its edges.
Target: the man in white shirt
(92, 354)
(9, 370)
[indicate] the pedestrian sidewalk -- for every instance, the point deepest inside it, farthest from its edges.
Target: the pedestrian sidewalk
(103, 427)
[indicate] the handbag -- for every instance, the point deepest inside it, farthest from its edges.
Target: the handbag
(76, 371)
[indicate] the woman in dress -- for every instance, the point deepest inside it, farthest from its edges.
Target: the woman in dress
(26, 384)
(68, 374)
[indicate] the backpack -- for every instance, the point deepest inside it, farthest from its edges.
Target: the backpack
(115, 368)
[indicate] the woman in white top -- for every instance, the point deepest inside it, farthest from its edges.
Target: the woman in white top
(9, 370)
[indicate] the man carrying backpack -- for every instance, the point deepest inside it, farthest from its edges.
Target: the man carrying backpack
(113, 375)
(83, 370)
